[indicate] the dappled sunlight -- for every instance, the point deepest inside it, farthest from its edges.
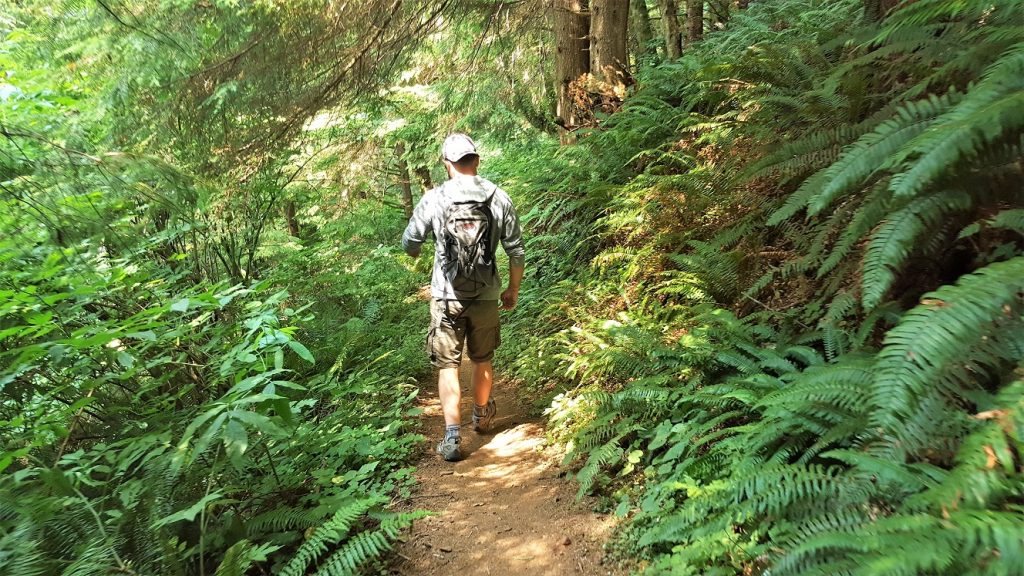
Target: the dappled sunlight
(504, 509)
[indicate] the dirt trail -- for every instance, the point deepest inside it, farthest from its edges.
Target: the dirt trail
(503, 510)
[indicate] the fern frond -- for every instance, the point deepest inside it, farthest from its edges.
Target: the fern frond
(871, 211)
(892, 243)
(21, 554)
(990, 111)
(985, 474)
(282, 519)
(240, 557)
(367, 546)
(981, 329)
(330, 533)
(1009, 220)
(599, 459)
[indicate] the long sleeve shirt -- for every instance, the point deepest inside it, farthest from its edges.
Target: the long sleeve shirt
(427, 219)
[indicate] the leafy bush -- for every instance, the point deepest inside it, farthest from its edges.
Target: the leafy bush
(758, 392)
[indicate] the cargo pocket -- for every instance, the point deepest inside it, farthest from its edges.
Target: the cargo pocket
(483, 343)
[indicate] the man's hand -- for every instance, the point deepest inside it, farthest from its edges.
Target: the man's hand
(509, 298)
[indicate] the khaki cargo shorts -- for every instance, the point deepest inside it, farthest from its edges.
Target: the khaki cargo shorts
(454, 323)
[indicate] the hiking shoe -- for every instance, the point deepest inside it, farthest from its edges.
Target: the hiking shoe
(449, 449)
(482, 421)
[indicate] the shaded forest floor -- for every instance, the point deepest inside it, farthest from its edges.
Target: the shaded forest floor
(504, 509)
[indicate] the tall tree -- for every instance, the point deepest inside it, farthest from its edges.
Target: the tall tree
(404, 181)
(608, 56)
(694, 20)
(876, 10)
(670, 28)
(572, 58)
(423, 173)
(718, 13)
(640, 17)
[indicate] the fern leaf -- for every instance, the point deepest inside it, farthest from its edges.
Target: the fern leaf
(1009, 220)
(892, 243)
(367, 546)
(874, 150)
(990, 111)
(330, 533)
(980, 316)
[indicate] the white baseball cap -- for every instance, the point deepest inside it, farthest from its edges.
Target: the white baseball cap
(456, 146)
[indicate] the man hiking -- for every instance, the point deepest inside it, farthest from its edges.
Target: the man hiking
(468, 216)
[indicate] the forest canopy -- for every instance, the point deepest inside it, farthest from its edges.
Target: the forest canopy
(773, 311)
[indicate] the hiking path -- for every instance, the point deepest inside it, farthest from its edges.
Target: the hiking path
(504, 509)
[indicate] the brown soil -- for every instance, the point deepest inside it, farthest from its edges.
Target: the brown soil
(504, 509)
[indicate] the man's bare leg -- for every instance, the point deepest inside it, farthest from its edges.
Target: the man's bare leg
(450, 393)
(483, 379)
(483, 405)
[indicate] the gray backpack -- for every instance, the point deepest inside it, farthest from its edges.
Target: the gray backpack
(468, 254)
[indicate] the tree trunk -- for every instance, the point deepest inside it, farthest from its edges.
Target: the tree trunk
(641, 25)
(608, 57)
(875, 10)
(694, 20)
(403, 179)
(289, 216)
(719, 13)
(423, 173)
(572, 60)
(670, 28)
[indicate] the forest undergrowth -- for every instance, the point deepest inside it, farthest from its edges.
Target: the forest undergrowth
(255, 426)
(185, 387)
(775, 302)
(773, 311)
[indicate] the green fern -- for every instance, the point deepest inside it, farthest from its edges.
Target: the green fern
(328, 534)
(1009, 220)
(893, 241)
(282, 519)
(366, 546)
(989, 112)
(598, 460)
(240, 557)
(981, 320)
(868, 214)
(1012, 219)
(869, 154)
(21, 554)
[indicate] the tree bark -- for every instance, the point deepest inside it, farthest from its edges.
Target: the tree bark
(289, 216)
(694, 21)
(640, 17)
(876, 10)
(403, 179)
(670, 28)
(719, 13)
(608, 56)
(423, 173)
(572, 58)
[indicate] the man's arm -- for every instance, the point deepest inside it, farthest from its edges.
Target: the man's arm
(512, 241)
(419, 227)
(510, 296)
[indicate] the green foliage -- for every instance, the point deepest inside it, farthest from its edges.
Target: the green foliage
(174, 397)
(761, 393)
(357, 550)
(774, 300)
